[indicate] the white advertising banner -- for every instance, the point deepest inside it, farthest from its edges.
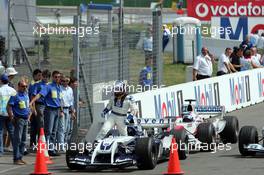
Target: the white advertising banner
(235, 28)
(233, 91)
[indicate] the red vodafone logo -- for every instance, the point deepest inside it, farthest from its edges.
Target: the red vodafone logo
(202, 10)
(257, 27)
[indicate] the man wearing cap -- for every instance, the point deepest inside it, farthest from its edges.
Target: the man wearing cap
(19, 112)
(53, 110)
(11, 72)
(5, 93)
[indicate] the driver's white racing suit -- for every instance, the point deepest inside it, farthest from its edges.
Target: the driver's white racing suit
(119, 109)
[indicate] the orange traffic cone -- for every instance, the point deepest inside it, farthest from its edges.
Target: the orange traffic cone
(40, 165)
(46, 154)
(174, 162)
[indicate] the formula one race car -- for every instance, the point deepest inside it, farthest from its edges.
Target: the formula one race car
(206, 125)
(249, 142)
(141, 148)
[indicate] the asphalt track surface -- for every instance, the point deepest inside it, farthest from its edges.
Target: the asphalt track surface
(199, 163)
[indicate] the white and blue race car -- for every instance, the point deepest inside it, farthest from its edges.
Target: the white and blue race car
(148, 142)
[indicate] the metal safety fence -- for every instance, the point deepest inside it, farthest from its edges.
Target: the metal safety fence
(97, 59)
(115, 53)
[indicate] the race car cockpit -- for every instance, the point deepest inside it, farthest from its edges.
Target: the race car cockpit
(188, 112)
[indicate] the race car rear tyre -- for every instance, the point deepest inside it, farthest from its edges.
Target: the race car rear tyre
(206, 135)
(73, 153)
(230, 132)
(247, 135)
(182, 142)
(146, 152)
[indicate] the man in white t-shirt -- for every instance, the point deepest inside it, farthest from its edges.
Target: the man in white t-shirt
(5, 93)
(203, 66)
(165, 37)
(224, 65)
(255, 57)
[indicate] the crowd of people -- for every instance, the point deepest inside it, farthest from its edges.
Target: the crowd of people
(248, 55)
(40, 104)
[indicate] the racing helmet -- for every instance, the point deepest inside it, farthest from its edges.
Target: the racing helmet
(119, 89)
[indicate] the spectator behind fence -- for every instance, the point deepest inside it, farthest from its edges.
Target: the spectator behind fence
(256, 58)
(53, 110)
(235, 57)
(19, 112)
(254, 37)
(203, 65)
(148, 44)
(37, 75)
(165, 37)
(246, 44)
(224, 65)
(145, 77)
(260, 45)
(5, 93)
(246, 61)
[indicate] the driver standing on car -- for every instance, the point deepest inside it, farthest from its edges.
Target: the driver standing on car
(119, 105)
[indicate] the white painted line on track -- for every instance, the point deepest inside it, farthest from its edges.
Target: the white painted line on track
(13, 168)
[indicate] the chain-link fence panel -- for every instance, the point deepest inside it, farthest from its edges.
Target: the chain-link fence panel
(117, 52)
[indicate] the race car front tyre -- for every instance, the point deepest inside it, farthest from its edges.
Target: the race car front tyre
(182, 142)
(146, 152)
(230, 132)
(206, 135)
(247, 135)
(73, 153)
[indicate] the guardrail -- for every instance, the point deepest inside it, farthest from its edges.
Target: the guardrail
(233, 91)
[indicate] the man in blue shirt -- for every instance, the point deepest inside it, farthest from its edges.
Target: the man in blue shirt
(19, 112)
(145, 78)
(39, 105)
(37, 75)
(53, 110)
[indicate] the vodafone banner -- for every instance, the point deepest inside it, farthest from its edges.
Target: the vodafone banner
(204, 9)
